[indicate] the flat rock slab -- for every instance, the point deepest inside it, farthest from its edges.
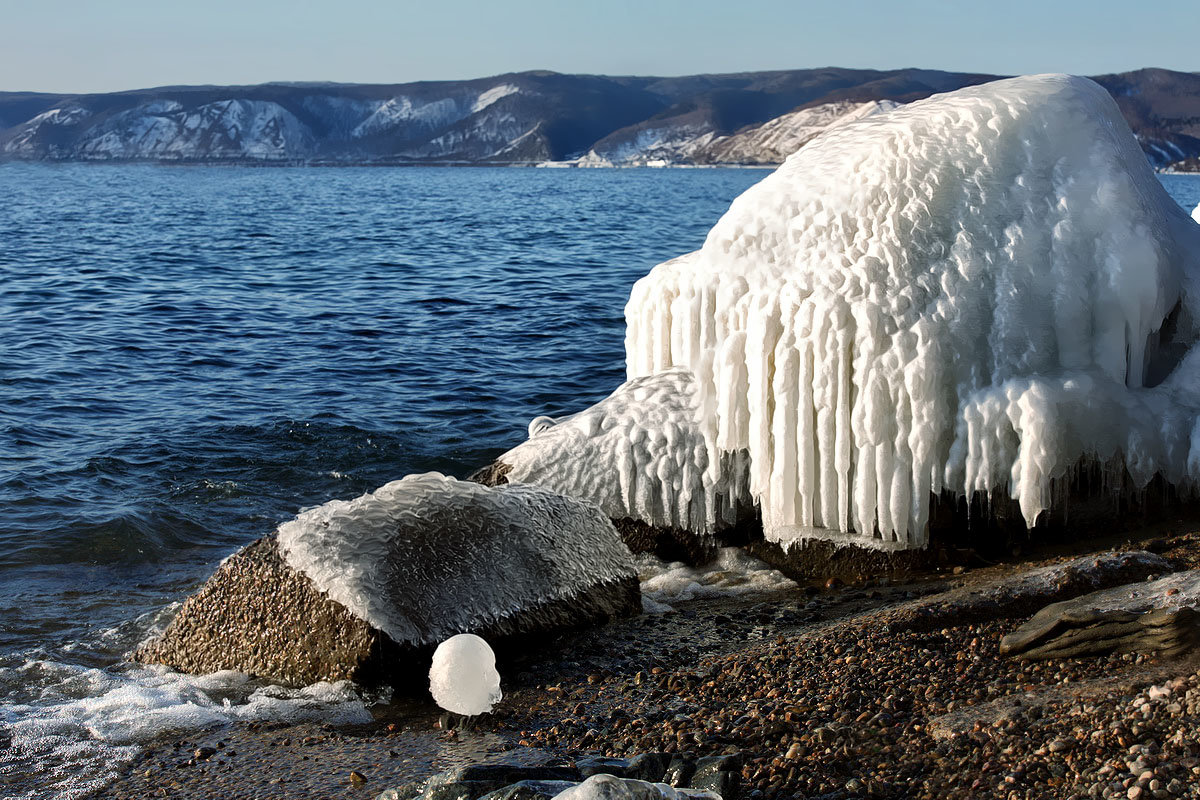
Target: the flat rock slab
(1153, 616)
(1019, 594)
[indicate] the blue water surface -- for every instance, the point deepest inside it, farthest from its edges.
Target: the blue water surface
(191, 355)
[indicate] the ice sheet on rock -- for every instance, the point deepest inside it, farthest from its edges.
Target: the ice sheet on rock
(641, 454)
(428, 556)
(608, 787)
(463, 677)
(966, 293)
(734, 572)
(1196, 213)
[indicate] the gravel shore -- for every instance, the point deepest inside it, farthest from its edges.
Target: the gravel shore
(840, 692)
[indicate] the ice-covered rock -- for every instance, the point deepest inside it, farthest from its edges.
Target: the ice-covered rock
(463, 677)
(609, 787)
(639, 454)
(1196, 213)
(971, 294)
(356, 589)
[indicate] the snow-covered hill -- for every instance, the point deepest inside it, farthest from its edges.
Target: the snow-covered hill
(527, 118)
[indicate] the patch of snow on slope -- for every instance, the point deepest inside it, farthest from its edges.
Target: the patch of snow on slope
(962, 294)
(402, 111)
(224, 129)
(776, 139)
(492, 95)
(671, 145)
(25, 139)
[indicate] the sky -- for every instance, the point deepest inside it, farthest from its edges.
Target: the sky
(108, 45)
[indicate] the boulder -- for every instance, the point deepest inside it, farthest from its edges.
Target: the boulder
(1151, 617)
(364, 589)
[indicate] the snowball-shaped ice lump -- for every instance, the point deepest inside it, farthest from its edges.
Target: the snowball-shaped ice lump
(463, 678)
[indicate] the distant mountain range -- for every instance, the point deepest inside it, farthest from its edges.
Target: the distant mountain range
(527, 118)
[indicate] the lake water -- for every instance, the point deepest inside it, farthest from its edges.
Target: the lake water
(189, 356)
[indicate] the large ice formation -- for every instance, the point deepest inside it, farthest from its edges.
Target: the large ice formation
(463, 677)
(968, 294)
(427, 556)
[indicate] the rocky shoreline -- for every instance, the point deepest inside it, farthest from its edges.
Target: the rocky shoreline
(874, 690)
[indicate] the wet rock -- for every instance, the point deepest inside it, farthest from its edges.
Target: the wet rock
(648, 766)
(474, 781)
(719, 774)
(1156, 616)
(530, 790)
(679, 771)
(258, 615)
(608, 766)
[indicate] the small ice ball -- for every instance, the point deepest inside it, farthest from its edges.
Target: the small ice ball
(463, 678)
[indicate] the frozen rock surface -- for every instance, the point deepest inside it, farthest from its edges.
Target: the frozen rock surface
(364, 589)
(463, 677)
(971, 294)
(647, 776)
(638, 454)
(609, 787)
(1161, 615)
(427, 556)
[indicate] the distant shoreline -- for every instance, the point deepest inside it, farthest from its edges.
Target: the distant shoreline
(358, 164)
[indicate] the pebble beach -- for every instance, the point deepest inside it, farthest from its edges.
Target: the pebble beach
(889, 689)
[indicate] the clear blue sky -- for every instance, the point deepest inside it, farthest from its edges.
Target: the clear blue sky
(105, 45)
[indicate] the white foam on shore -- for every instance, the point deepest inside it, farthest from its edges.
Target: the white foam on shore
(733, 573)
(84, 724)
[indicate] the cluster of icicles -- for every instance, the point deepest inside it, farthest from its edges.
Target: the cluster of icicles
(968, 294)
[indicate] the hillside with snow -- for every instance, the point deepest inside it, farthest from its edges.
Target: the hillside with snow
(528, 118)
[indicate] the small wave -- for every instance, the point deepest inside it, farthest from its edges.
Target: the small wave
(89, 723)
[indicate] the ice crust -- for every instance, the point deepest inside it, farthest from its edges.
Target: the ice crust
(608, 787)
(646, 436)
(427, 556)
(463, 676)
(962, 294)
